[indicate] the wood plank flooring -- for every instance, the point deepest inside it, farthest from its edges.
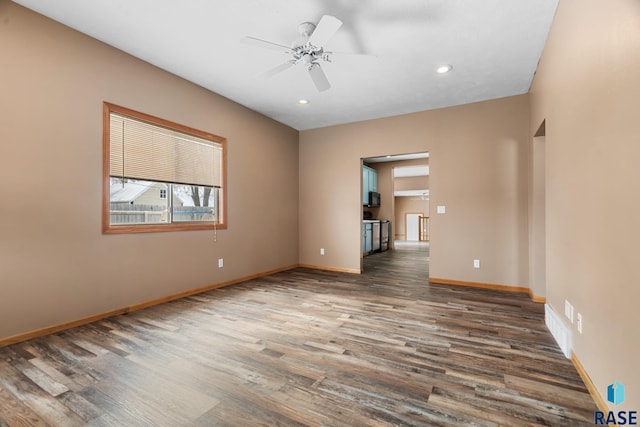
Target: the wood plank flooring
(305, 348)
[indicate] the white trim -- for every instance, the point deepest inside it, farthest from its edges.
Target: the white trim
(558, 330)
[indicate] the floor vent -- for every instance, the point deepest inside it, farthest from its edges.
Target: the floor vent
(558, 329)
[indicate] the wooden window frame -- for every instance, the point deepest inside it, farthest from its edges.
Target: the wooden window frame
(107, 227)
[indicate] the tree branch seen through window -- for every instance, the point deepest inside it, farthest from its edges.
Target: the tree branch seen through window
(160, 176)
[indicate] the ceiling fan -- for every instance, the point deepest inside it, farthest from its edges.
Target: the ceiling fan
(308, 49)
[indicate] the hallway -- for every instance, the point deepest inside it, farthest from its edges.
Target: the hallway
(408, 261)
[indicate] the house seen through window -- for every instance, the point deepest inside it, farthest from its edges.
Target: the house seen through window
(160, 176)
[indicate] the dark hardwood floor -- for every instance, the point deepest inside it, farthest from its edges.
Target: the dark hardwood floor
(307, 348)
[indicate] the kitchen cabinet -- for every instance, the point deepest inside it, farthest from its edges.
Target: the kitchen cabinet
(367, 237)
(373, 180)
(369, 183)
(375, 236)
(365, 185)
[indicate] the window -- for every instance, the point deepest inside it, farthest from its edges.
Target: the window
(159, 175)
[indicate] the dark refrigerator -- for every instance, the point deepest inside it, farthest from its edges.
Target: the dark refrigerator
(385, 227)
(375, 244)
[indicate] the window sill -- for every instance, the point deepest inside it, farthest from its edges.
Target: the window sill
(158, 228)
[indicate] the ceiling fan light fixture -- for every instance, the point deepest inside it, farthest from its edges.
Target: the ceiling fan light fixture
(308, 49)
(306, 29)
(443, 69)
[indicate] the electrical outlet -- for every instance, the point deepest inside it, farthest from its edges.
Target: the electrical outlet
(579, 322)
(220, 262)
(476, 263)
(568, 310)
(321, 251)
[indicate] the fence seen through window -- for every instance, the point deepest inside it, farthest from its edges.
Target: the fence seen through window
(160, 176)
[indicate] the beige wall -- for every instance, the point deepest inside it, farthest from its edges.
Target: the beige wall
(411, 183)
(587, 88)
(478, 169)
(55, 264)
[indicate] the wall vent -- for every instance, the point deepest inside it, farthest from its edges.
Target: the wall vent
(560, 332)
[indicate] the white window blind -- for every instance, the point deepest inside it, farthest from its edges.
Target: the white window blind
(140, 150)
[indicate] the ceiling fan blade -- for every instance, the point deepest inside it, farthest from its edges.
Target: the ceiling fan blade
(280, 68)
(265, 44)
(326, 28)
(371, 55)
(319, 78)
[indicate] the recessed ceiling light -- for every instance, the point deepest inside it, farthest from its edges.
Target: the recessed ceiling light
(303, 101)
(444, 69)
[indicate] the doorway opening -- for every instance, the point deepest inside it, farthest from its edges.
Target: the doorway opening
(395, 197)
(412, 226)
(537, 214)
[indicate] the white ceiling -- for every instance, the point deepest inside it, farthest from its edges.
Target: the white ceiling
(493, 45)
